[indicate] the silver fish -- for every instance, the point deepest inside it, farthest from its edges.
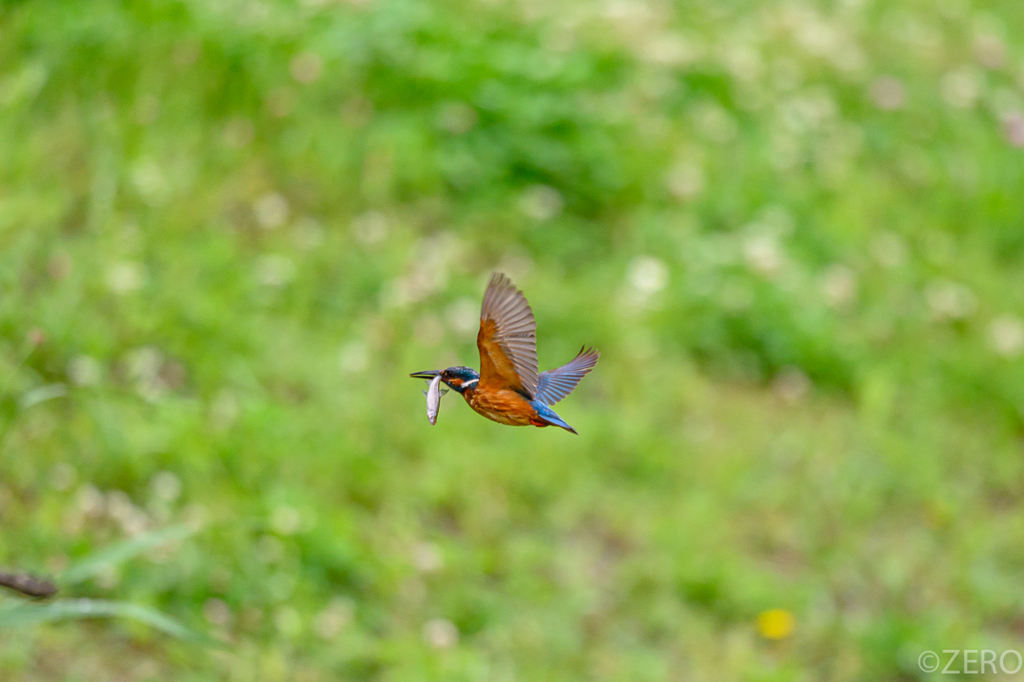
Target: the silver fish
(434, 394)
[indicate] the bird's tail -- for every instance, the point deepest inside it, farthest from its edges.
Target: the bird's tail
(548, 416)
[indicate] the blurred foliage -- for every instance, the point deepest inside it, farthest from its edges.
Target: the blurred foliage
(229, 230)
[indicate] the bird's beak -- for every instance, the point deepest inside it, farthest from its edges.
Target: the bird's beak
(427, 374)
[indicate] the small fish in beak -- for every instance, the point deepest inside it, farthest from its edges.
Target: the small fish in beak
(434, 394)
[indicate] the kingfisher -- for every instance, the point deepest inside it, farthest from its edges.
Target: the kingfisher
(508, 389)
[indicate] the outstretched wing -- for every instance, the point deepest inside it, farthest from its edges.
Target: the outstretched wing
(555, 384)
(507, 339)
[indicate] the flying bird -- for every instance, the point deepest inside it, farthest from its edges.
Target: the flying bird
(508, 389)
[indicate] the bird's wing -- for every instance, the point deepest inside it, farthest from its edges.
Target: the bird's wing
(555, 384)
(507, 339)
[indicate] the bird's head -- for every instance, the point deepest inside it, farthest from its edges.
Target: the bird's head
(456, 378)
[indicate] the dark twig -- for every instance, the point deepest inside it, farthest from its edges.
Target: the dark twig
(28, 585)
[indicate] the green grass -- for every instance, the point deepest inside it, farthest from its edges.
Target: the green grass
(229, 230)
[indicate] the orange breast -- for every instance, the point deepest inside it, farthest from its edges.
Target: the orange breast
(503, 406)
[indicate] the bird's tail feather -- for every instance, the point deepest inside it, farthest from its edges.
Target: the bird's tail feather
(548, 416)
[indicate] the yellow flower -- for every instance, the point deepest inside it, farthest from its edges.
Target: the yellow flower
(775, 624)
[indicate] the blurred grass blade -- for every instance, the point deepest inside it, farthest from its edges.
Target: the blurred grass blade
(23, 614)
(28, 584)
(121, 552)
(42, 394)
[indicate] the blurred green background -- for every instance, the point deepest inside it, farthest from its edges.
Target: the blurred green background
(230, 229)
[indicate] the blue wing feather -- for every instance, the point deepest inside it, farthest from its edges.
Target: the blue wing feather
(556, 384)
